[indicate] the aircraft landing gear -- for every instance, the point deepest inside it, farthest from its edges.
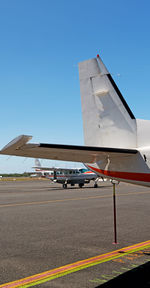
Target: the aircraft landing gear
(64, 186)
(81, 185)
(95, 185)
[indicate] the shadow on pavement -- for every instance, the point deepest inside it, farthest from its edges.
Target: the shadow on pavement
(77, 188)
(138, 277)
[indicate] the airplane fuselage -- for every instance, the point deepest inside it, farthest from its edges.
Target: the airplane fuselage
(73, 178)
(132, 169)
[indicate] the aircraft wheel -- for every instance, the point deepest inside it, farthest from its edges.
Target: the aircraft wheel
(95, 185)
(81, 185)
(64, 186)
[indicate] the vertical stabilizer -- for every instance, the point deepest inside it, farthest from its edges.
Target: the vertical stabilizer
(37, 163)
(107, 118)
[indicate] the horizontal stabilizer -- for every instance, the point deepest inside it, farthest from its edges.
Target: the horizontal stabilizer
(87, 154)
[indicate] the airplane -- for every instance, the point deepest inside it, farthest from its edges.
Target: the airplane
(40, 172)
(117, 145)
(66, 176)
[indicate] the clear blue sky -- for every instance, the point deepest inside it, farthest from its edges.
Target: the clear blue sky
(41, 43)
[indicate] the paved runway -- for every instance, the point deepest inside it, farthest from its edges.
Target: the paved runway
(45, 227)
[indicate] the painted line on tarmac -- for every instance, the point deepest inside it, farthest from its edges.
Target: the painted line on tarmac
(69, 199)
(76, 266)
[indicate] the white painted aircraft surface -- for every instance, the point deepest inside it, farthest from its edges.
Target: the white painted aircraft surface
(117, 145)
(66, 176)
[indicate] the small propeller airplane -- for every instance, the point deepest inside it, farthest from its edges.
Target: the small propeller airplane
(66, 176)
(117, 145)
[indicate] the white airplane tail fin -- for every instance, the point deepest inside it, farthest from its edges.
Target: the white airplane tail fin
(37, 163)
(107, 119)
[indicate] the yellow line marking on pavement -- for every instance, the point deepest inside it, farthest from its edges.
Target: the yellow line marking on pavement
(68, 199)
(73, 267)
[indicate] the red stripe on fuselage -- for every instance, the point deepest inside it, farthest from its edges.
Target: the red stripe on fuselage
(143, 177)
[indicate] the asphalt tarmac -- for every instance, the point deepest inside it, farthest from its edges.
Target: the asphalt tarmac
(43, 227)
